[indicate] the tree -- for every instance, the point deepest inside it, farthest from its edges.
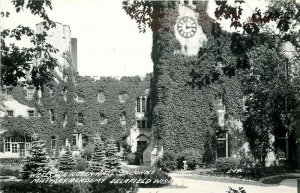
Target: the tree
(98, 157)
(38, 162)
(66, 162)
(112, 162)
(17, 61)
(272, 87)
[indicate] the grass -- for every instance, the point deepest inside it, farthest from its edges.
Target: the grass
(279, 178)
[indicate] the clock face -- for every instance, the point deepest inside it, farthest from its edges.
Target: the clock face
(187, 27)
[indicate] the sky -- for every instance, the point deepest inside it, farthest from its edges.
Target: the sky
(108, 41)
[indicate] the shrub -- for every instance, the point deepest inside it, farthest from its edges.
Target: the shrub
(105, 187)
(192, 157)
(9, 172)
(225, 164)
(82, 165)
(167, 162)
(131, 158)
(11, 161)
(24, 186)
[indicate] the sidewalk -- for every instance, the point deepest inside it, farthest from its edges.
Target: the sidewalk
(203, 186)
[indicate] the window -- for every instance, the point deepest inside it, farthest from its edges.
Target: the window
(52, 115)
(51, 92)
(143, 104)
(148, 104)
(123, 97)
(7, 147)
(80, 119)
(14, 147)
(244, 103)
(101, 97)
(10, 113)
(103, 119)
(144, 124)
(3, 93)
(53, 142)
(31, 113)
(123, 118)
(222, 143)
(6, 93)
(221, 118)
(64, 93)
(9, 93)
(79, 98)
(64, 90)
(139, 124)
(74, 141)
(138, 105)
(65, 118)
(30, 93)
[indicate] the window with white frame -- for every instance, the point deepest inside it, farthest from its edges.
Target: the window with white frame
(17, 144)
(7, 145)
(30, 92)
(138, 105)
(101, 97)
(142, 104)
(14, 148)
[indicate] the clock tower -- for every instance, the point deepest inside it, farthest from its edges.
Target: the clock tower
(188, 30)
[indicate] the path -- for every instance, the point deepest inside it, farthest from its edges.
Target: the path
(202, 186)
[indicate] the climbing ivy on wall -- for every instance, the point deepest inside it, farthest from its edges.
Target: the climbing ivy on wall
(184, 115)
(112, 108)
(86, 87)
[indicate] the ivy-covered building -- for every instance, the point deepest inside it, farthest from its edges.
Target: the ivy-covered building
(206, 118)
(75, 108)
